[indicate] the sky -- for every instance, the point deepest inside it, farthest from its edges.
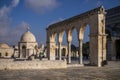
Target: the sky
(17, 15)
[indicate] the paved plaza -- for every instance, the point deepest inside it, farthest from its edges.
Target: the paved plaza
(108, 72)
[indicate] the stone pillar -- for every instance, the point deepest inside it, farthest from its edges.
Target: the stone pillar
(51, 50)
(69, 52)
(104, 47)
(59, 46)
(80, 52)
(98, 39)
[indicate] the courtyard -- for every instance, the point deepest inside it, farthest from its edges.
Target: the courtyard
(108, 72)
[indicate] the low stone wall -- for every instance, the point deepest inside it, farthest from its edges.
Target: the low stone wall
(37, 64)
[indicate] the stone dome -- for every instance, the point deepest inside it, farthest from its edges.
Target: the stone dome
(28, 37)
(3, 45)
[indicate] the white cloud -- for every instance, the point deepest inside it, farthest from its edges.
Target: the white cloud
(12, 35)
(4, 20)
(41, 5)
(4, 11)
(15, 3)
(8, 34)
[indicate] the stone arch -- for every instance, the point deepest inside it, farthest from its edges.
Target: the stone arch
(60, 36)
(63, 51)
(52, 36)
(64, 32)
(81, 34)
(96, 20)
(59, 43)
(70, 32)
(81, 31)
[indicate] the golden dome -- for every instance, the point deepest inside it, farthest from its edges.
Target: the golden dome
(3, 45)
(28, 37)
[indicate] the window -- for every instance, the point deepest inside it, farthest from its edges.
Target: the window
(0, 54)
(6, 54)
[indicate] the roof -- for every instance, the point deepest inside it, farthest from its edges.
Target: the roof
(28, 37)
(3, 45)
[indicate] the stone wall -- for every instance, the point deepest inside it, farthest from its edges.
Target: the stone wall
(37, 64)
(8, 51)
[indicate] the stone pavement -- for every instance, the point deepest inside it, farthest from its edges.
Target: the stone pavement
(108, 72)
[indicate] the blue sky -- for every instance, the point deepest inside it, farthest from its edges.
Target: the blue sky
(16, 15)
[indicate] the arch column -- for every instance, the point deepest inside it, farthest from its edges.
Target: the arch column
(51, 50)
(80, 52)
(50, 45)
(69, 39)
(59, 46)
(69, 52)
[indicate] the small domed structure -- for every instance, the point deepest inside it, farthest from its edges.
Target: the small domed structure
(27, 45)
(28, 37)
(6, 51)
(3, 45)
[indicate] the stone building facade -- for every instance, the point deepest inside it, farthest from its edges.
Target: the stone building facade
(113, 31)
(6, 51)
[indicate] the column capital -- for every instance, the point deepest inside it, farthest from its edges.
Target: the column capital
(60, 42)
(69, 41)
(80, 39)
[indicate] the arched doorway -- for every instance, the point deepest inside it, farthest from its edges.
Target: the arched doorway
(86, 45)
(109, 44)
(118, 49)
(24, 51)
(74, 45)
(56, 53)
(63, 53)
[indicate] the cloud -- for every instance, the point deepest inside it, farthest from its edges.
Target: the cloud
(7, 33)
(4, 20)
(12, 35)
(15, 3)
(41, 6)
